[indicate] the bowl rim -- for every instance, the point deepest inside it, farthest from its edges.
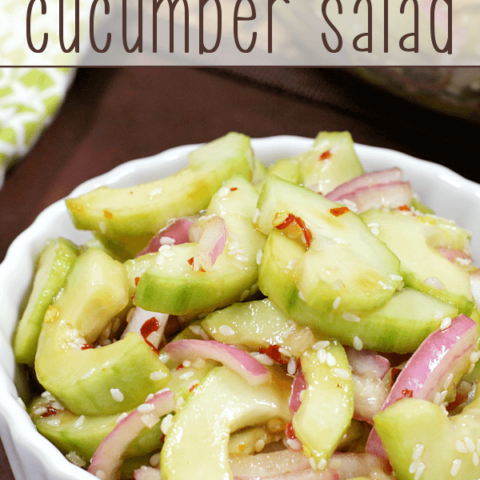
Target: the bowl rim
(14, 421)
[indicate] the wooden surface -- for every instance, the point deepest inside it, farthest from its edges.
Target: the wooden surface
(114, 115)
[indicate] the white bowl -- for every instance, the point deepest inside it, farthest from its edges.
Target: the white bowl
(31, 456)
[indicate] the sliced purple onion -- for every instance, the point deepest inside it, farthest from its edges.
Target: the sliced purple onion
(147, 473)
(175, 233)
(390, 195)
(298, 386)
(431, 369)
(108, 458)
(138, 318)
(365, 181)
(455, 255)
(212, 242)
(366, 361)
(239, 361)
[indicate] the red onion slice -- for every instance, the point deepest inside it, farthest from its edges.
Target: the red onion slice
(139, 321)
(268, 464)
(175, 233)
(455, 255)
(366, 361)
(365, 181)
(390, 195)
(107, 460)
(298, 386)
(239, 361)
(431, 368)
(327, 474)
(352, 465)
(212, 242)
(147, 473)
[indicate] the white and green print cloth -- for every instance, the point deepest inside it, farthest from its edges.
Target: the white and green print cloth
(29, 99)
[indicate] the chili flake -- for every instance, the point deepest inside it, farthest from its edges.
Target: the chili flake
(307, 234)
(274, 353)
(85, 346)
(108, 215)
(137, 279)
(326, 155)
(407, 393)
(404, 208)
(232, 189)
(336, 212)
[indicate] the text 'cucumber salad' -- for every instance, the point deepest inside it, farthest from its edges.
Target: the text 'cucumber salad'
(306, 321)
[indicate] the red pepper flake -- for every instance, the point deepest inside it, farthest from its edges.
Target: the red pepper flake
(154, 349)
(150, 326)
(180, 367)
(338, 385)
(289, 432)
(108, 215)
(232, 189)
(190, 261)
(273, 352)
(50, 411)
(137, 279)
(193, 387)
(395, 373)
(326, 155)
(404, 208)
(306, 232)
(407, 393)
(459, 399)
(336, 212)
(85, 346)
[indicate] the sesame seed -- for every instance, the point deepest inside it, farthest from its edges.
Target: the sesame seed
(76, 459)
(241, 258)
(226, 330)
(336, 303)
(167, 241)
(413, 466)
(149, 397)
(149, 419)
(259, 257)
(156, 191)
(166, 423)
(448, 382)
(469, 443)
(373, 224)
(341, 372)
(395, 277)
(117, 395)
(146, 408)
(292, 366)
(350, 317)
(375, 231)
(101, 475)
(185, 375)
(321, 344)
(155, 460)
(54, 423)
(385, 286)
(40, 411)
(223, 192)
(331, 360)
(475, 459)
(156, 376)
(301, 296)
(263, 359)
(164, 357)
(259, 445)
(434, 282)
(186, 363)
(160, 260)
(419, 471)
(446, 322)
(322, 464)
(322, 355)
(294, 444)
(285, 351)
(456, 465)
(312, 463)
(474, 357)
(121, 417)
(79, 422)
(291, 264)
(461, 447)
(199, 363)
(180, 401)
(357, 343)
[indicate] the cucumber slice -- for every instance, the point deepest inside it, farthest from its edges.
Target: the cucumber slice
(145, 209)
(416, 434)
(53, 266)
(399, 326)
(196, 445)
(72, 433)
(94, 381)
(344, 261)
(327, 403)
(414, 239)
(175, 287)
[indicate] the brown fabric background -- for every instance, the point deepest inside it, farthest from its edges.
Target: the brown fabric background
(114, 115)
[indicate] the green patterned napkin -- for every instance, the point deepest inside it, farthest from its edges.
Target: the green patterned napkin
(29, 98)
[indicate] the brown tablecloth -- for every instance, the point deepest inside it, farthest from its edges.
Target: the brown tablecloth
(114, 115)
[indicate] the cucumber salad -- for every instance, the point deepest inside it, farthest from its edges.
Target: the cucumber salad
(305, 321)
